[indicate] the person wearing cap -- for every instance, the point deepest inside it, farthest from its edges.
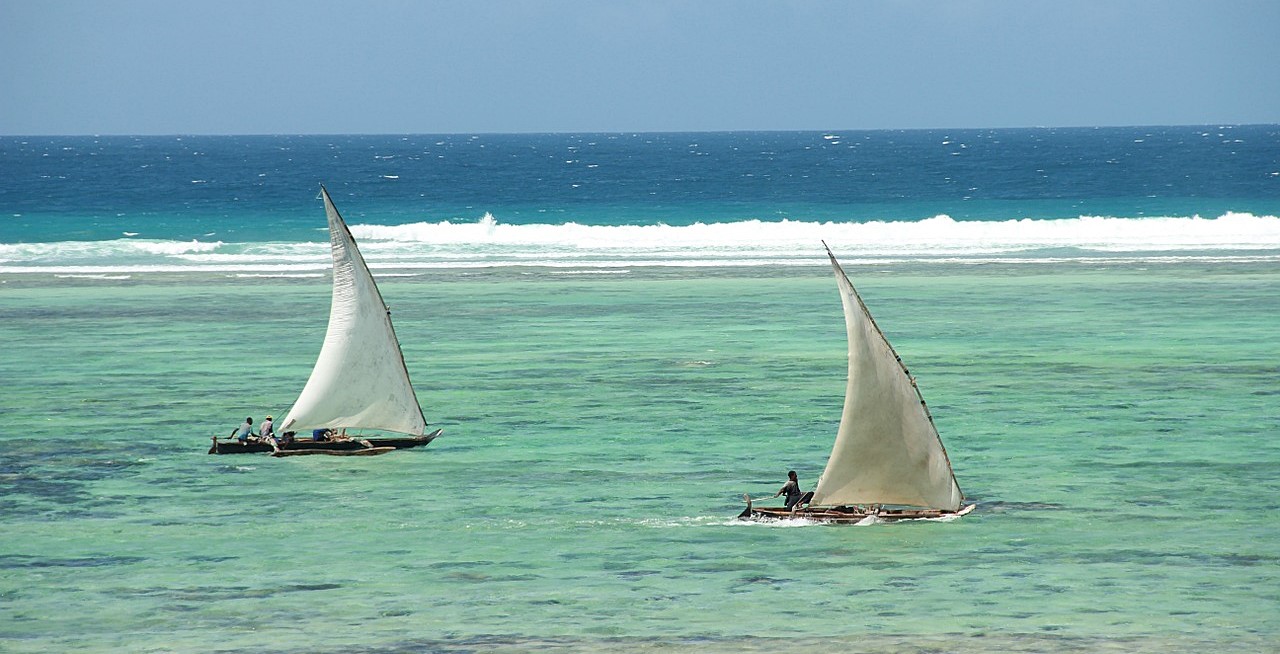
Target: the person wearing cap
(267, 429)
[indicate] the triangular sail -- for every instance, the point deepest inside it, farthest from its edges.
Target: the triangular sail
(360, 380)
(887, 450)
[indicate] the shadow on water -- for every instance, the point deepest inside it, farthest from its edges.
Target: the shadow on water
(35, 484)
(204, 594)
(13, 561)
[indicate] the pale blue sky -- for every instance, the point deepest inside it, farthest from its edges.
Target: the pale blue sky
(394, 66)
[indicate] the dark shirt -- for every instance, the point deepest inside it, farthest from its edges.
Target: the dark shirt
(791, 489)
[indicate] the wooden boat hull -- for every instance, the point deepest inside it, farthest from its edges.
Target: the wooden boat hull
(846, 515)
(301, 445)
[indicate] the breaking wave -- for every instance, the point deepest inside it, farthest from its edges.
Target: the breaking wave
(489, 243)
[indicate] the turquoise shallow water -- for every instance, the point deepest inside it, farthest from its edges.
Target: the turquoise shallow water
(1116, 426)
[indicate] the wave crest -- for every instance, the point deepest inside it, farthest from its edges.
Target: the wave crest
(938, 234)
(488, 243)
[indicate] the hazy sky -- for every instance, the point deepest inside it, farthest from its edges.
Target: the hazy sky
(395, 66)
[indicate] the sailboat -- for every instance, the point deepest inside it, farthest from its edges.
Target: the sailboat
(360, 381)
(888, 462)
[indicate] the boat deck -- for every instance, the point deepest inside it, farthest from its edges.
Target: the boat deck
(307, 444)
(847, 514)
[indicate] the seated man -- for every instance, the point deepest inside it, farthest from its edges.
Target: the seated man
(245, 430)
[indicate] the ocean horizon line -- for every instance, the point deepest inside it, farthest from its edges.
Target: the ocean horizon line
(555, 132)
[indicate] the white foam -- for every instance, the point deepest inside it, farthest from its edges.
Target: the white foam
(590, 272)
(785, 523)
(575, 249)
(124, 247)
(939, 234)
(280, 275)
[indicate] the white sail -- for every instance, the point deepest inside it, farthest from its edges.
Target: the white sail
(360, 380)
(887, 450)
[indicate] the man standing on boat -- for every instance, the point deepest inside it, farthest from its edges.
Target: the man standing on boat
(792, 490)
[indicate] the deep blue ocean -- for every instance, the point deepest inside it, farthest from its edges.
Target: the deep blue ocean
(246, 189)
(622, 334)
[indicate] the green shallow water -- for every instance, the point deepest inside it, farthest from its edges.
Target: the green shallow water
(1116, 426)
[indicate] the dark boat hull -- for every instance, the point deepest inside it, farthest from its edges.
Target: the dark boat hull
(395, 442)
(846, 515)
